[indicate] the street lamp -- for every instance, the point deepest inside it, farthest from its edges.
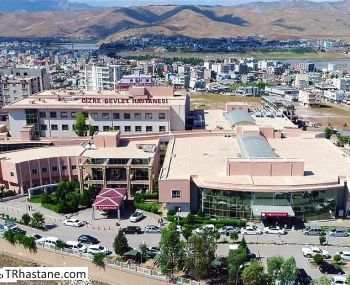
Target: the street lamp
(240, 267)
(329, 226)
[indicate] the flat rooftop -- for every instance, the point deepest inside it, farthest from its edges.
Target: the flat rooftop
(205, 157)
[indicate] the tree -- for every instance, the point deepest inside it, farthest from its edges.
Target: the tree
(318, 259)
(38, 220)
(88, 197)
(26, 219)
(236, 258)
(322, 281)
(172, 251)
(98, 259)
(143, 249)
(10, 236)
(68, 196)
(274, 267)
(80, 125)
(322, 240)
(289, 271)
(328, 132)
(29, 243)
(201, 250)
(234, 237)
(254, 274)
(120, 243)
(337, 258)
(2, 191)
(186, 232)
(190, 219)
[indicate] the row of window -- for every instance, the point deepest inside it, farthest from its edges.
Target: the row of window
(105, 116)
(44, 169)
(65, 127)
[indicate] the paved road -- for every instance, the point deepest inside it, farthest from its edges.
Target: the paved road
(105, 229)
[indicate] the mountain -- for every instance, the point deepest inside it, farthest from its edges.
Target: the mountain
(281, 19)
(40, 5)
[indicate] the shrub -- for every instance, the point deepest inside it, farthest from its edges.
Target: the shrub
(186, 232)
(138, 198)
(337, 258)
(120, 244)
(318, 259)
(151, 196)
(234, 236)
(190, 219)
(171, 212)
(200, 213)
(26, 219)
(322, 240)
(38, 220)
(46, 199)
(61, 244)
(10, 236)
(154, 209)
(29, 243)
(98, 259)
(219, 225)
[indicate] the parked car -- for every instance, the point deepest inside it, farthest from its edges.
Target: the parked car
(327, 268)
(36, 236)
(338, 232)
(275, 230)
(302, 277)
(76, 246)
(313, 231)
(153, 251)
(49, 241)
(338, 280)
(18, 230)
(345, 255)
(135, 217)
(251, 230)
(228, 230)
(209, 227)
(151, 229)
(93, 249)
(88, 239)
(312, 251)
(133, 230)
(73, 222)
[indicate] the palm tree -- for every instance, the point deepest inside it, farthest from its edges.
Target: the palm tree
(38, 220)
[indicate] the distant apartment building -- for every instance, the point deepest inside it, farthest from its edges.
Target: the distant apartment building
(96, 78)
(304, 66)
(179, 80)
(310, 97)
(342, 84)
(289, 93)
(128, 81)
(336, 96)
(301, 80)
(264, 64)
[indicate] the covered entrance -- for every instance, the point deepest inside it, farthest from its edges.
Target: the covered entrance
(274, 215)
(109, 199)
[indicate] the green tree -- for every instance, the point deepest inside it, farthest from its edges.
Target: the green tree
(2, 192)
(88, 197)
(10, 236)
(322, 281)
(328, 132)
(120, 243)
(98, 259)
(235, 259)
(202, 250)
(234, 237)
(337, 258)
(67, 196)
(318, 259)
(322, 240)
(26, 219)
(254, 274)
(143, 248)
(28, 243)
(91, 130)
(186, 232)
(172, 251)
(274, 267)
(190, 219)
(80, 125)
(289, 271)
(38, 220)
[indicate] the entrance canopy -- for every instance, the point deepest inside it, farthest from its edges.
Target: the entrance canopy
(273, 211)
(109, 199)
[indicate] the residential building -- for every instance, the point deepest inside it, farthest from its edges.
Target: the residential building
(310, 97)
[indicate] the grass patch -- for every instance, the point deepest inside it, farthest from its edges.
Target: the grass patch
(50, 206)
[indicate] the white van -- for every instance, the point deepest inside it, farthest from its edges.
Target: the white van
(50, 241)
(76, 246)
(338, 280)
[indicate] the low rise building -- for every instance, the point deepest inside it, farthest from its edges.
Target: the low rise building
(310, 97)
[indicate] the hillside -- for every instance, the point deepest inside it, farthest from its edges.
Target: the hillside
(284, 19)
(40, 5)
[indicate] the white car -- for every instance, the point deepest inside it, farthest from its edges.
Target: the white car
(209, 227)
(312, 251)
(338, 280)
(76, 246)
(251, 231)
(93, 249)
(275, 230)
(73, 223)
(135, 217)
(345, 255)
(228, 230)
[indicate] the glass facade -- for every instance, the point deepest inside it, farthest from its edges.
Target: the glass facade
(233, 204)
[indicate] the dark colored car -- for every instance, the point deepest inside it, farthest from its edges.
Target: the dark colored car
(302, 277)
(132, 230)
(327, 268)
(17, 230)
(88, 239)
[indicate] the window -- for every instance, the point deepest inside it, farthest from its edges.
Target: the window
(53, 115)
(127, 116)
(65, 127)
(116, 116)
(5, 86)
(34, 171)
(161, 116)
(175, 194)
(138, 129)
(73, 115)
(96, 128)
(94, 116)
(12, 174)
(127, 129)
(54, 168)
(64, 167)
(116, 128)
(44, 169)
(149, 129)
(43, 127)
(137, 116)
(74, 167)
(54, 127)
(161, 128)
(64, 115)
(42, 115)
(148, 116)
(106, 128)
(24, 86)
(105, 116)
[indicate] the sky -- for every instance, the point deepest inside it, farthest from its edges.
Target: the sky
(165, 2)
